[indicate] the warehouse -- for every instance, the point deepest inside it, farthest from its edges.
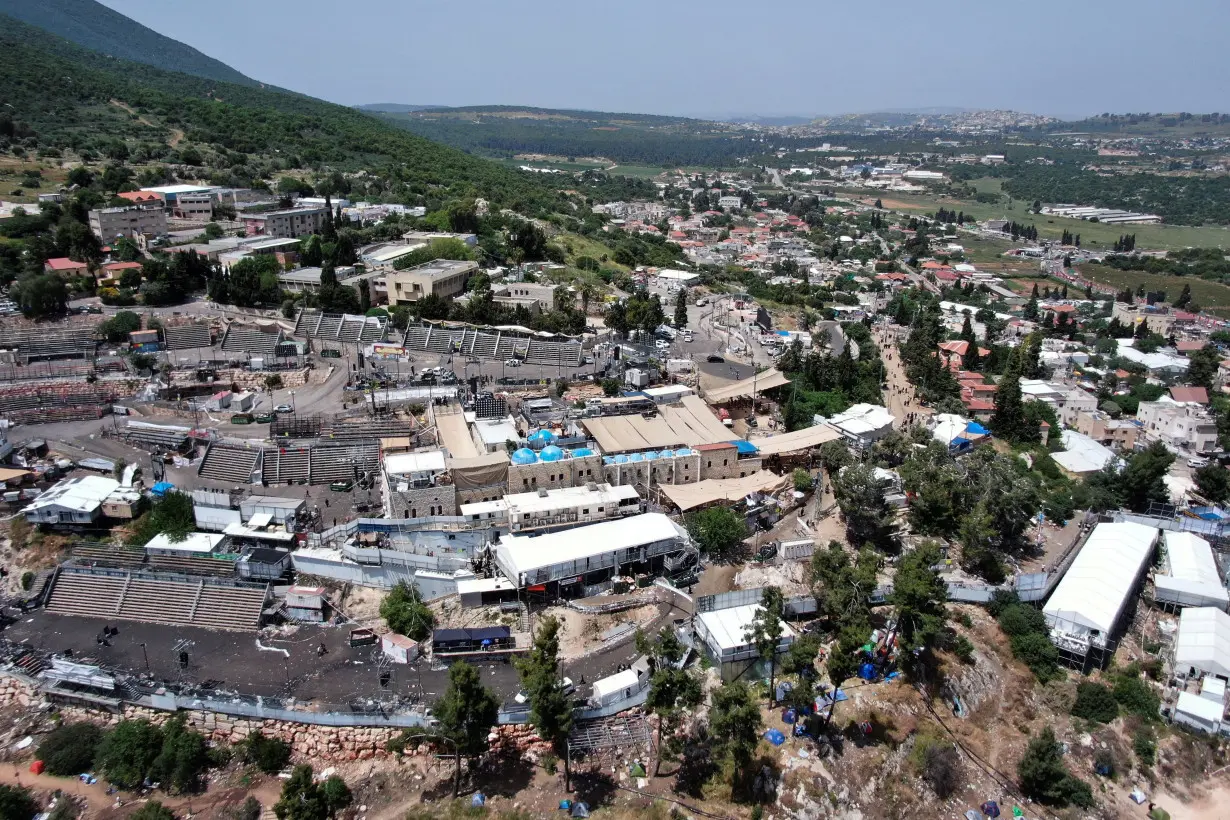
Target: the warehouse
(724, 633)
(1190, 577)
(576, 562)
(1088, 607)
(1203, 644)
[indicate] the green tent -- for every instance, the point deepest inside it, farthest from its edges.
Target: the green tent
(637, 770)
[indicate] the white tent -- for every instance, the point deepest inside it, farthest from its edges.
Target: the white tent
(1192, 578)
(615, 687)
(1203, 644)
(1085, 607)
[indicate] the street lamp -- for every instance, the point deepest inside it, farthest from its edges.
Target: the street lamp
(292, 401)
(145, 652)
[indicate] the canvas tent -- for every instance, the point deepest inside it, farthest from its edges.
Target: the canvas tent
(1203, 643)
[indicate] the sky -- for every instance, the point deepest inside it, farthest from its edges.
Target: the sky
(713, 58)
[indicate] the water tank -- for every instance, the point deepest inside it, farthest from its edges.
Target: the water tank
(524, 456)
(550, 453)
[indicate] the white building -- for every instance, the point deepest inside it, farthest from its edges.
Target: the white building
(727, 203)
(1190, 577)
(72, 501)
(1082, 455)
(617, 687)
(863, 424)
(1179, 426)
(724, 632)
(195, 543)
(1202, 647)
(1085, 611)
(551, 508)
(587, 556)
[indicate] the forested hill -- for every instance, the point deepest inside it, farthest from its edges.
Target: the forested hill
(505, 131)
(56, 95)
(94, 26)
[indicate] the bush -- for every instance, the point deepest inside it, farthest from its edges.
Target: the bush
(1021, 619)
(1144, 744)
(406, 614)
(963, 649)
(802, 480)
(27, 580)
(942, 769)
(153, 810)
(1036, 651)
(1137, 697)
(269, 754)
(127, 754)
(16, 803)
(1044, 778)
(1095, 702)
(69, 749)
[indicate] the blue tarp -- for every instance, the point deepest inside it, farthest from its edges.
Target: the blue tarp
(775, 737)
(977, 429)
(745, 448)
(478, 800)
(162, 488)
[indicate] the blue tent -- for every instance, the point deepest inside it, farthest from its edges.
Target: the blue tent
(524, 456)
(162, 488)
(977, 429)
(775, 737)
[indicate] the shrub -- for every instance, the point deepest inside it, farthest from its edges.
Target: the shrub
(1095, 702)
(964, 649)
(16, 803)
(69, 749)
(153, 810)
(1044, 778)
(1038, 653)
(127, 754)
(1144, 744)
(27, 580)
(269, 754)
(1137, 697)
(942, 769)
(1021, 619)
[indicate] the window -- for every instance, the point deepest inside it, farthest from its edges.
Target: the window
(525, 482)
(600, 509)
(584, 512)
(725, 461)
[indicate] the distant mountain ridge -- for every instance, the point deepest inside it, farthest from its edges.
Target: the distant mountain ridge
(99, 28)
(395, 108)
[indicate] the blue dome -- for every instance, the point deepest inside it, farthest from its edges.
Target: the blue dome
(541, 437)
(636, 457)
(584, 451)
(650, 456)
(666, 454)
(608, 460)
(621, 459)
(524, 456)
(551, 453)
(684, 452)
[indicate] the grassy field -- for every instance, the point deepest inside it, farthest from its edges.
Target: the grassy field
(1211, 296)
(1094, 236)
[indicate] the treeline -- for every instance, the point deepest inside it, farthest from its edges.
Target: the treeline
(1205, 263)
(823, 384)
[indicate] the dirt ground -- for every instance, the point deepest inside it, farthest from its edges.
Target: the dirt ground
(582, 634)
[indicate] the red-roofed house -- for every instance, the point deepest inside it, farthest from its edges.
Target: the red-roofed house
(931, 265)
(141, 197)
(65, 266)
(113, 270)
(979, 409)
(1190, 395)
(1189, 346)
(947, 275)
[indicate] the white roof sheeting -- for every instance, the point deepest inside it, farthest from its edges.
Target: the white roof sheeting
(431, 461)
(201, 542)
(613, 687)
(83, 494)
(1096, 588)
(1203, 709)
(1203, 641)
(1193, 578)
(1082, 454)
(726, 630)
(522, 554)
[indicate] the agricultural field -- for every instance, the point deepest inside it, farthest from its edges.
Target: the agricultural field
(1094, 236)
(1213, 297)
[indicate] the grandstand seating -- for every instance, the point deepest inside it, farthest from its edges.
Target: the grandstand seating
(48, 343)
(551, 354)
(341, 430)
(107, 555)
(282, 466)
(230, 462)
(337, 463)
(488, 343)
(340, 327)
(193, 565)
(167, 599)
(187, 337)
(55, 401)
(251, 340)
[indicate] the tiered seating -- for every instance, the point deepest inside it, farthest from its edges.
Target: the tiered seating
(187, 337)
(225, 607)
(340, 327)
(566, 354)
(193, 565)
(166, 599)
(229, 462)
(283, 466)
(483, 345)
(150, 599)
(239, 339)
(107, 555)
(95, 596)
(49, 343)
(416, 337)
(338, 463)
(368, 429)
(55, 401)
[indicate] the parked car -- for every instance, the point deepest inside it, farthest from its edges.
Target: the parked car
(342, 486)
(283, 409)
(1197, 462)
(512, 362)
(713, 358)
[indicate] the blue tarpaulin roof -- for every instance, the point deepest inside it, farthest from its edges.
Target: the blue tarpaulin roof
(163, 487)
(745, 448)
(977, 429)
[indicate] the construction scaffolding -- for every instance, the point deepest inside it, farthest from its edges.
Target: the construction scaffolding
(627, 732)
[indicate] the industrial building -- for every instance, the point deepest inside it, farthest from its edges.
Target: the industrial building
(580, 562)
(108, 223)
(1189, 577)
(1089, 607)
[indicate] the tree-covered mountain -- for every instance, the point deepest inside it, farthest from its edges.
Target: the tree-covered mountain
(505, 131)
(94, 26)
(57, 96)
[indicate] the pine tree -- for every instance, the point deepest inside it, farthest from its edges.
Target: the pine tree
(1008, 419)
(681, 308)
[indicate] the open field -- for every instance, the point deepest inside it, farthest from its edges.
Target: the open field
(1211, 296)
(1094, 236)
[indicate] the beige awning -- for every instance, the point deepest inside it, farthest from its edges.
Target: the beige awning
(689, 496)
(687, 424)
(744, 389)
(804, 439)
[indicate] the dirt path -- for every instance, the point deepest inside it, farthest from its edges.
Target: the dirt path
(899, 396)
(1213, 806)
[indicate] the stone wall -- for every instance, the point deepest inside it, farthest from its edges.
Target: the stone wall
(309, 743)
(552, 475)
(423, 502)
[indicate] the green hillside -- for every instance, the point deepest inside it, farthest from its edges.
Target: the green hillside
(57, 96)
(94, 26)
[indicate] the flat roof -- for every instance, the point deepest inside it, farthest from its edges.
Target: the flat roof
(470, 586)
(727, 628)
(687, 496)
(1207, 710)
(178, 189)
(430, 461)
(569, 497)
(1082, 454)
(439, 268)
(455, 435)
(689, 422)
(265, 244)
(615, 683)
(202, 542)
(522, 553)
(1203, 640)
(746, 388)
(83, 494)
(240, 531)
(497, 431)
(803, 439)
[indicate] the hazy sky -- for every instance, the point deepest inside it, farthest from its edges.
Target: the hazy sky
(803, 57)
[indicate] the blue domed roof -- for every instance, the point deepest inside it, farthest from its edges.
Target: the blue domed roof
(636, 457)
(650, 456)
(524, 456)
(666, 454)
(551, 453)
(621, 459)
(581, 453)
(608, 459)
(544, 436)
(684, 452)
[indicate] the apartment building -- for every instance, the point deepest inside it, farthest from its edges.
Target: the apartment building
(1181, 426)
(287, 224)
(442, 278)
(193, 206)
(1117, 434)
(108, 223)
